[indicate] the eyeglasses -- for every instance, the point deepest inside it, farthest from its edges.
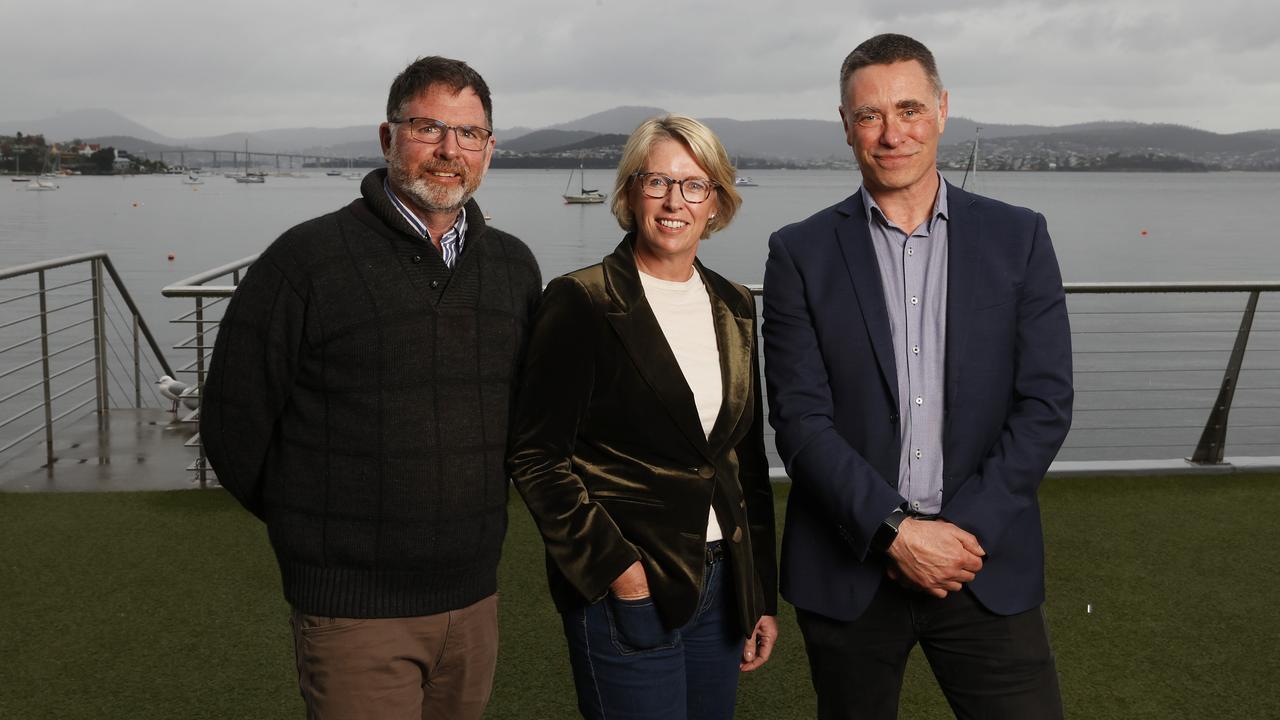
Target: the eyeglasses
(656, 185)
(431, 131)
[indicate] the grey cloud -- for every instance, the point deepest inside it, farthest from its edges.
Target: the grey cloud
(246, 64)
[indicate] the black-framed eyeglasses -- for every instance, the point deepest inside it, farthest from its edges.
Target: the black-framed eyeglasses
(431, 131)
(657, 185)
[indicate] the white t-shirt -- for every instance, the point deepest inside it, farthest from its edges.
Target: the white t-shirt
(683, 310)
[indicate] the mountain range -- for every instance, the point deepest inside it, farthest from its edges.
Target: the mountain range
(799, 140)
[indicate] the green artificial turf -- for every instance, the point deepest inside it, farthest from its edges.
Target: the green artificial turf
(168, 605)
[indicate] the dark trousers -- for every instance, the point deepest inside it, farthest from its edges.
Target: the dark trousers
(989, 666)
(627, 666)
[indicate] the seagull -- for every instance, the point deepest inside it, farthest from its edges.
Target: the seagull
(175, 391)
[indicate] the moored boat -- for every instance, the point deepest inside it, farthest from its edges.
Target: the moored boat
(585, 196)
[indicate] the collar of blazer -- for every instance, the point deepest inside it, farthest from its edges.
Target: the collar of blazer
(733, 316)
(964, 229)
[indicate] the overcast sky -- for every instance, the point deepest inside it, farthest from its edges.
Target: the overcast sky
(191, 69)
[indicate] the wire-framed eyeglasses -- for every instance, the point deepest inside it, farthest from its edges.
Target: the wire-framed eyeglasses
(431, 131)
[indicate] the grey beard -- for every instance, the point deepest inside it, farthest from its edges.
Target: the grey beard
(432, 197)
(425, 194)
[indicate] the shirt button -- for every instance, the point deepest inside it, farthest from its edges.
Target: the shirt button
(915, 505)
(918, 454)
(915, 300)
(417, 259)
(919, 401)
(435, 284)
(910, 252)
(915, 349)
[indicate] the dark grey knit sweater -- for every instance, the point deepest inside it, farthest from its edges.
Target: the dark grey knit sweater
(357, 401)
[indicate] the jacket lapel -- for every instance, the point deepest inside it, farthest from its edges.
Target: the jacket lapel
(963, 231)
(642, 338)
(733, 339)
(854, 240)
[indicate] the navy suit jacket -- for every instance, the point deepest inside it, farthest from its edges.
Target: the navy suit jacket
(829, 366)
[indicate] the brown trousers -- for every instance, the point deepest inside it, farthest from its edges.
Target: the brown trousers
(429, 667)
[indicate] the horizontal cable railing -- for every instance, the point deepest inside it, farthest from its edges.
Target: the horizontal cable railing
(204, 318)
(72, 338)
(1160, 368)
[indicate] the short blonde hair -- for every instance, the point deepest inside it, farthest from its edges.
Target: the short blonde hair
(706, 149)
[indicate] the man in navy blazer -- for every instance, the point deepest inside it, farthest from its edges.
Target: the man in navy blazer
(918, 361)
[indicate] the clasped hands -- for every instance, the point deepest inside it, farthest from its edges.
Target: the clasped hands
(933, 556)
(633, 584)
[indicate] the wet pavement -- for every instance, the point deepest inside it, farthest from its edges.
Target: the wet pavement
(131, 450)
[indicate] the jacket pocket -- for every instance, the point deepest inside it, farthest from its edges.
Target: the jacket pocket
(609, 497)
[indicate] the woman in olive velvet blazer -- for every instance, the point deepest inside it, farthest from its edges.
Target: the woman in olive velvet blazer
(638, 446)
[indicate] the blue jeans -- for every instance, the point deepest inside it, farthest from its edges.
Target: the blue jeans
(626, 665)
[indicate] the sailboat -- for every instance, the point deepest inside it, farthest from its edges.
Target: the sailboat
(56, 172)
(584, 196)
(249, 177)
(17, 168)
(43, 181)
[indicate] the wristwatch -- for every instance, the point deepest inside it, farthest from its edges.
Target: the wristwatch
(888, 531)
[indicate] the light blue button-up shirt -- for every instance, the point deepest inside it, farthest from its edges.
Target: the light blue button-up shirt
(913, 270)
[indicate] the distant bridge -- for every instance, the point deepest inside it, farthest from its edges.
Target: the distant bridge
(240, 158)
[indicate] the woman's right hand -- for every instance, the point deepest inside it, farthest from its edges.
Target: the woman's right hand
(632, 584)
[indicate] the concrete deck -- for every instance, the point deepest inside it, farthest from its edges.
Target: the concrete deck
(132, 450)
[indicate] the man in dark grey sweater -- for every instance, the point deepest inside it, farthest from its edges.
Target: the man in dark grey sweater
(357, 402)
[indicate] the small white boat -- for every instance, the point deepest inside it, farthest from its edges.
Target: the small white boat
(334, 173)
(744, 181)
(249, 177)
(192, 179)
(584, 196)
(41, 183)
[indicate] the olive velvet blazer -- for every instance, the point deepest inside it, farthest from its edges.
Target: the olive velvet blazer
(608, 452)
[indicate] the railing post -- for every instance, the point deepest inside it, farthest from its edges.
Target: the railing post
(200, 341)
(99, 339)
(201, 465)
(44, 366)
(137, 366)
(1213, 441)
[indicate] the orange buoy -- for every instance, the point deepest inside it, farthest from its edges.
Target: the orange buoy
(171, 256)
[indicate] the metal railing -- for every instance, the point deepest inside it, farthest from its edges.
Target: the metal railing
(208, 298)
(1159, 367)
(60, 333)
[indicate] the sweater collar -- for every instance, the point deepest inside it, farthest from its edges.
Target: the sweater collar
(376, 200)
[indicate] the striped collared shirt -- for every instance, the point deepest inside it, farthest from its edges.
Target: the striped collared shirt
(913, 269)
(450, 244)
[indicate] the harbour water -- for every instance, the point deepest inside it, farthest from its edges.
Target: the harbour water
(1105, 226)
